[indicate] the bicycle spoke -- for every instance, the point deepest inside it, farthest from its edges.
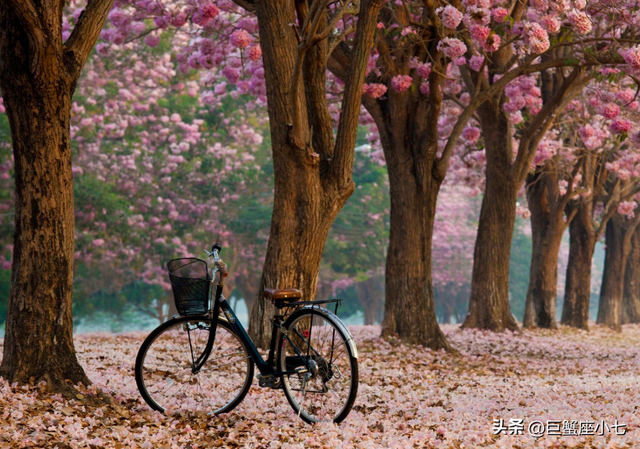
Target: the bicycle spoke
(164, 372)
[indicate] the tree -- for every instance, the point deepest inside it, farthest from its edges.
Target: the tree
(619, 232)
(312, 169)
(631, 292)
(549, 189)
(38, 75)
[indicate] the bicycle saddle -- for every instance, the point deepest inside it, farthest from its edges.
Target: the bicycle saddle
(286, 294)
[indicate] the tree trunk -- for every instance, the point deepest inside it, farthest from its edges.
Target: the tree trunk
(539, 208)
(577, 291)
(409, 302)
(312, 172)
(38, 75)
(631, 296)
(618, 245)
(547, 228)
(489, 303)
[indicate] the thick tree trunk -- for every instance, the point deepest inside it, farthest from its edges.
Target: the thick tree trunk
(547, 228)
(618, 245)
(38, 74)
(539, 208)
(577, 292)
(408, 268)
(489, 303)
(312, 172)
(39, 341)
(631, 296)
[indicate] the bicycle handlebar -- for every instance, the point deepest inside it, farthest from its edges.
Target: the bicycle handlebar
(215, 251)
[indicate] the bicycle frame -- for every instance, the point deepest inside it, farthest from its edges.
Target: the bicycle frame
(266, 367)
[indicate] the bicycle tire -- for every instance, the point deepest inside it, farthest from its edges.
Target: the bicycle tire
(164, 372)
(329, 394)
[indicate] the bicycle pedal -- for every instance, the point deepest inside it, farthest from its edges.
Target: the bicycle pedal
(269, 381)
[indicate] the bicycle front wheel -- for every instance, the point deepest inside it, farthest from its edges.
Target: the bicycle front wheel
(165, 371)
(321, 360)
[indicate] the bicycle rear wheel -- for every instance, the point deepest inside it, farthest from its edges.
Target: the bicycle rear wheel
(165, 374)
(322, 362)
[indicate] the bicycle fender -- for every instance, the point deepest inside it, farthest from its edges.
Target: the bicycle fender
(350, 341)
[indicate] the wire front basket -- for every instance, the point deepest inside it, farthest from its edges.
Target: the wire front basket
(190, 282)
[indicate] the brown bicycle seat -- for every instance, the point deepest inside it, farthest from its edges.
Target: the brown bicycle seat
(286, 294)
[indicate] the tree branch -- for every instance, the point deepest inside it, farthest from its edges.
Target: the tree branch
(248, 5)
(342, 165)
(84, 35)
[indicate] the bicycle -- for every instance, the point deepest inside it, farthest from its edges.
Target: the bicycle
(203, 357)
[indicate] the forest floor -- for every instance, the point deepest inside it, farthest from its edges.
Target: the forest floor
(570, 388)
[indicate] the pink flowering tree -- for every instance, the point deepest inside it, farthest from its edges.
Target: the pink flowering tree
(466, 54)
(162, 171)
(514, 124)
(312, 158)
(590, 133)
(603, 179)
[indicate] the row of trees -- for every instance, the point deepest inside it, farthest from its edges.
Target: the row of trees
(447, 86)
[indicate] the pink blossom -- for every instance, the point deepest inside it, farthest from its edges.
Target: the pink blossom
(374, 90)
(541, 5)
(209, 10)
(240, 38)
(499, 14)
(479, 32)
(450, 16)
(552, 24)
(233, 75)
(452, 48)
(254, 53)
(492, 43)
(152, 40)
(580, 22)
(119, 18)
(475, 63)
(609, 110)
(178, 20)
(424, 88)
(401, 83)
(632, 58)
(536, 38)
(424, 70)
(477, 16)
(627, 208)
(620, 126)
(471, 134)
(586, 132)
(98, 242)
(103, 49)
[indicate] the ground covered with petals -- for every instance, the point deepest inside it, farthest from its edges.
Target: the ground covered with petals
(408, 397)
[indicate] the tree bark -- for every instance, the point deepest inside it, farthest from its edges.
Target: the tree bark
(631, 295)
(312, 173)
(409, 302)
(618, 245)
(489, 303)
(38, 75)
(547, 227)
(577, 292)
(539, 208)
